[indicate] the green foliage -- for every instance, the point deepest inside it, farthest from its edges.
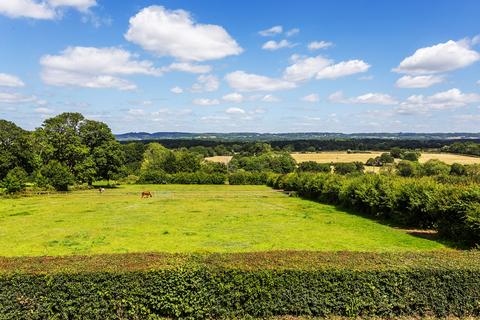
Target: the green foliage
(266, 162)
(15, 180)
(56, 175)
(411, 156)
(249, 286)
(213, 167)
(470, 148)
(160, 177)
(246, 178)
(458, 169)
(412, 202)
(397, 153)
(409, 168)
(347, 167)
(313, 166)
(435, 167)
(15, 149)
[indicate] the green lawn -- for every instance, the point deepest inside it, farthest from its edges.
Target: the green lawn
(188, 218)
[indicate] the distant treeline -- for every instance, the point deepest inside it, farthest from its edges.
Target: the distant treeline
(323, 145)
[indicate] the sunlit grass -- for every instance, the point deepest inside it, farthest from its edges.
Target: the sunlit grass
(188, 218)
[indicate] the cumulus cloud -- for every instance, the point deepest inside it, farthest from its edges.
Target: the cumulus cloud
(233, 97)
(174, 33)
(315, 45)
(205, 102)
(342, 69)
(450, 99)
(235, 111)
(8, 80)
(44, 10)
(274, 45)
(442, 57)
(368, 98)
(272, 31)
(176, 90)
(43, 110)
(187, 67)
(311, 98)
(305, 68)
(208, 83)
(91, 67)
(419, 81)
(242, 81)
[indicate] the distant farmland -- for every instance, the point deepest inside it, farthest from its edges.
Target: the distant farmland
(327, 157)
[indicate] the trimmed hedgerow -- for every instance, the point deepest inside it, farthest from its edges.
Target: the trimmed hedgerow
(244, 285)
(160, 177)
(247, 178)
(454, 210)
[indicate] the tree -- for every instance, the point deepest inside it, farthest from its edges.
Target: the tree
(344, 167)
(186, 161)
(15, 180)
(15, 149)
(408, 168)
(458, 169)
(157, 157)
(411, 156)
(312, 166)
(435, 167)
(397, 152)
(57, 175)
(109, 159)
(386, 158)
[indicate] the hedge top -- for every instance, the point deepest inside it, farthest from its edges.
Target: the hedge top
(272, 260)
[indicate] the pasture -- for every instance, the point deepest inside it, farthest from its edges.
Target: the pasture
(188, 218)
(339, 156)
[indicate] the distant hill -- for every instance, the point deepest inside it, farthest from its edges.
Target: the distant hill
(252, 136)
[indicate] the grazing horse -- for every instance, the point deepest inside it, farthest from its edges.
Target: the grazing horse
(146, 194)
(101, 190)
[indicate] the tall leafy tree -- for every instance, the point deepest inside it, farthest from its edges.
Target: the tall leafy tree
(15, 148)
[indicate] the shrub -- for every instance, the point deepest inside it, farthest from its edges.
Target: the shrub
(435, 167)
(245, 178)
(15, 180)
(56, 175)
(312, 166)
(411, 156)
(458, 169)
(345, 167)
(234, 286)
(407, 168)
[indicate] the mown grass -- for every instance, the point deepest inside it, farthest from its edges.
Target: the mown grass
(188, 218)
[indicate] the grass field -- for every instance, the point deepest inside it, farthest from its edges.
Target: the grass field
(188, 218)
(337, 156)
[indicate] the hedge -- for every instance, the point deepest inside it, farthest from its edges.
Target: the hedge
(454, 210)
(159, 177)
(244, 177)
(244, 285)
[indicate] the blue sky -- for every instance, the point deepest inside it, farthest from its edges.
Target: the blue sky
(229, 66)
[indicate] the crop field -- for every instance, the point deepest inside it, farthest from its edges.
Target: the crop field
(188, 218)
(337, 156)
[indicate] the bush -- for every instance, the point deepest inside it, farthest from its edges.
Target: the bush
(312, 166)
(411, 156)
(15, 180)
(458, 169)
(407, 168)
(345, 167)
(56, 175)
(247, 178)
(160, 177)
(435, 167)
(233, 286)
(411, 202)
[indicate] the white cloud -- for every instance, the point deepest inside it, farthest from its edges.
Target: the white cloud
(91, 67)
(174, 33)
(450, 99)
(342, 69)
(6, 97)
(368, 98)
(311, 98)
(206, 102)
(315, 45)
(136, 112)
(176, 90)
(292, 32)
(233, 97)
(274, 45)
(8, 80)
(43, 110)
(305, 68)
(80, 5)
(419, 81)
(270, 98)
(206, 83)
(243, 81)
(272, 31)
(235, 111)
(442, 57)
(44, 10)
(187, 67)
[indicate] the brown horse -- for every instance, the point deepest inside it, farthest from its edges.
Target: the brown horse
(101, 190)
(146, 194)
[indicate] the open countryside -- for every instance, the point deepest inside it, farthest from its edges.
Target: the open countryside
(331, 156)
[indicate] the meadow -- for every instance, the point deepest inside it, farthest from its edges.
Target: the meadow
(188, 218)
(339, 156)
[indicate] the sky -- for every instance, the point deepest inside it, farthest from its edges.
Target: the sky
(243, 66)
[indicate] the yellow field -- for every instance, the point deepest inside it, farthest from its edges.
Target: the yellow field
(337, 156)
